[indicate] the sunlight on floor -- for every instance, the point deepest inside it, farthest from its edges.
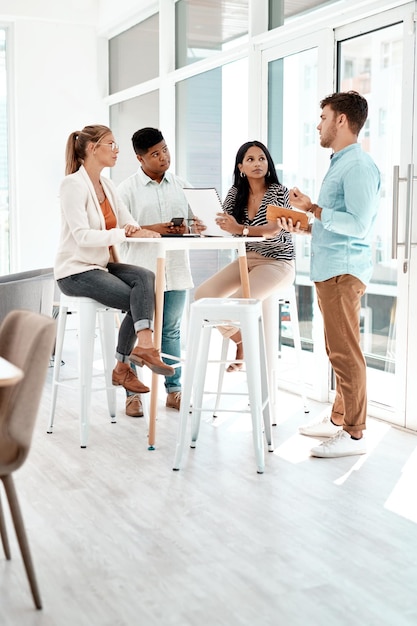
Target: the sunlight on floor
(296, 449)
(403, 498)
(374, 433)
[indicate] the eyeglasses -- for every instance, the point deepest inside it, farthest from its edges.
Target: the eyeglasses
(113, 146)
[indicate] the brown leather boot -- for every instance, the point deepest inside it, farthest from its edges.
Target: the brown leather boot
(129, 381)
(150, 357)
(174, 400)
(134, 406)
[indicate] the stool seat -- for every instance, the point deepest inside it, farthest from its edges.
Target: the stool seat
(88, 311)
(206, 314)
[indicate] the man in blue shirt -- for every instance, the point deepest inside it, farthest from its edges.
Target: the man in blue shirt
(341, 266)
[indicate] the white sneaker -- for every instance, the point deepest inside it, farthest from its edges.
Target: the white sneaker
(324, 428)
(340, 444)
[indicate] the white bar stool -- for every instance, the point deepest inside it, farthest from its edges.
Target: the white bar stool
(88, 310)
(270, 313)
(206, 314)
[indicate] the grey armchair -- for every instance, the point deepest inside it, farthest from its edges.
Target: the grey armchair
(32, 290)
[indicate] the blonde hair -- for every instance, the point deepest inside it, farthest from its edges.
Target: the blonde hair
(77, 142)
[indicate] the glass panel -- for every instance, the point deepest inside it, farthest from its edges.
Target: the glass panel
(204, 27)
(295, 7)
(210, 128)
(368, 64)
(4, 164)
(210, 124)
(134, 55)
(126, 118)
(292, 96)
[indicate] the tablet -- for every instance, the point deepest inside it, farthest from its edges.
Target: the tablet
(273, 212)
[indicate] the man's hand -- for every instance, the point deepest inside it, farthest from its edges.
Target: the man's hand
(299, 200)
(197, 226)
(172, 229)
(292, 227)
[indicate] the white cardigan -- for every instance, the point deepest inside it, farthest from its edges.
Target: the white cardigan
(84, 243)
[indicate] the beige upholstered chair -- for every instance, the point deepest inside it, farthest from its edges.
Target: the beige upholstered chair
(26, 340)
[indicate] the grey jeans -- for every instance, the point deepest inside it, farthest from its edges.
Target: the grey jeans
(129, 288)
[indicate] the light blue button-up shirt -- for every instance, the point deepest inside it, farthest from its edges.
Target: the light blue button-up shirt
(349, 198)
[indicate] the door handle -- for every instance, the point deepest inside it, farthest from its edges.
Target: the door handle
(408, 216)
(395, 199)
(396, 179)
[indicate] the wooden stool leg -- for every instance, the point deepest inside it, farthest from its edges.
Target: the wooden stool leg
(3, 534)
(22, 538)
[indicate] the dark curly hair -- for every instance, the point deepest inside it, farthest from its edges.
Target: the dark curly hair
(145, 138)
(241, 182)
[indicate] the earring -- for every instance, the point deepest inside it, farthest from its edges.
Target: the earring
(269, 174)
(242, 174)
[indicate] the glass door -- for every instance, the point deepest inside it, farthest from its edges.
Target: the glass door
(296, 74)
(375, 56)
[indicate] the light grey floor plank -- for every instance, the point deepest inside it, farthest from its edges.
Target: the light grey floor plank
(119, 539)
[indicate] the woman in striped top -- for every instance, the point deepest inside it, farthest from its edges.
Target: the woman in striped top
(271, 261)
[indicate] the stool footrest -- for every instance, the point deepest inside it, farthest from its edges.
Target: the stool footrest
(206, 314)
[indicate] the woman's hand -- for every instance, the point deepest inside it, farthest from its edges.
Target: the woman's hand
(271, 228)
(130, 229)
(144, 233)
(228, 223)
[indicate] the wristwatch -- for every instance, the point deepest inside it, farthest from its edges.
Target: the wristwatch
(245, 231)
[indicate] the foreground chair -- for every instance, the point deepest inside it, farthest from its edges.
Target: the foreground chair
(26, 340)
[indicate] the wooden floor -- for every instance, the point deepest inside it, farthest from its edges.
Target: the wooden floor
(119, 539)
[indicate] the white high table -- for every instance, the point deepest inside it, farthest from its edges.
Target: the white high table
(185, 243)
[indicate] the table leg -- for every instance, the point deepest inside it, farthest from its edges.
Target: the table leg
(157, 337)
(244, 274)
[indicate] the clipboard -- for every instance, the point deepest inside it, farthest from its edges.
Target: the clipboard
(205, 203)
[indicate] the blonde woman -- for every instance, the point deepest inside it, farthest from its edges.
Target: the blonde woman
(93, 222)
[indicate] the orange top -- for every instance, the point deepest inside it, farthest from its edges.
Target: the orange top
(109, 216)
(110, 219)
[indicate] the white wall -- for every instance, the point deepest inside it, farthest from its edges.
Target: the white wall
(58, 84)
(116, 16)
